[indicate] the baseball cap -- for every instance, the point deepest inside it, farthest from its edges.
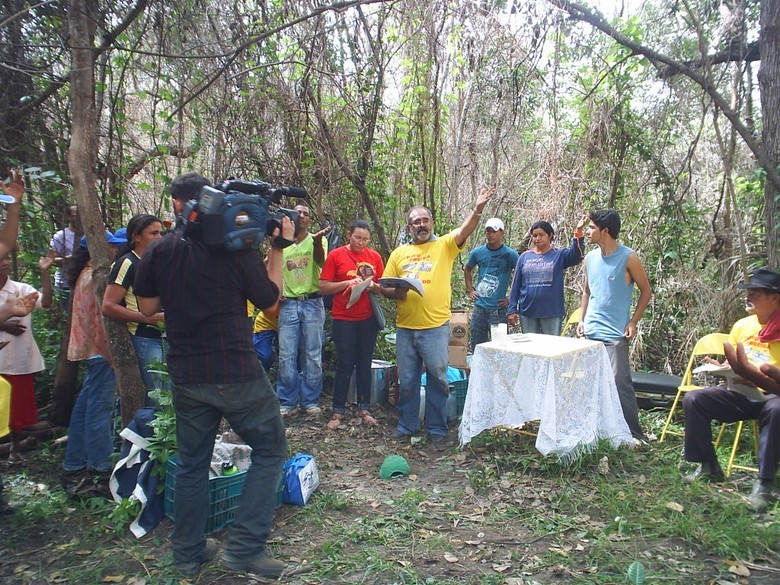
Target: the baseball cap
(110, 238)
(494, 224)
(121, 234)
(394, 466)
(763, 278)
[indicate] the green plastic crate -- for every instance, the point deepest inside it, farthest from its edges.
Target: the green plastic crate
(224, 493)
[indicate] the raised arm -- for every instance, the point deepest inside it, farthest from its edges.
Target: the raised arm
(47, 293)
(472, 221)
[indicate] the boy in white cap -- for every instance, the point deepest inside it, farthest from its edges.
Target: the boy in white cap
(495, 262)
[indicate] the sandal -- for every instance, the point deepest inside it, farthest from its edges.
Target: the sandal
(335, 421)
(366, 417)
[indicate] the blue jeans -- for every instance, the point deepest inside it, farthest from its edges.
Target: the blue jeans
(413, 349)
(252, 410)
(300, 327)
(355, 342)
(481, 320)
(264, 347)
(547, 326)
(90, 442)
(148, 351)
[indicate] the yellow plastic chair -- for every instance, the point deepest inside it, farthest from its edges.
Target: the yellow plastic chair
(711, 344)
(572, 321)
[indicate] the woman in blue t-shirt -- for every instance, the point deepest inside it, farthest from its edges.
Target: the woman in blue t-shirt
(537, 287)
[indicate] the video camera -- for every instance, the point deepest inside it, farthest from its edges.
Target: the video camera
(237, 214)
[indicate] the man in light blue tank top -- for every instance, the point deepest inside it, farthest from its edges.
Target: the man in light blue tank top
(610, 274)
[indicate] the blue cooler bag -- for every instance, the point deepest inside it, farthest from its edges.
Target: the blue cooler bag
(300, 479)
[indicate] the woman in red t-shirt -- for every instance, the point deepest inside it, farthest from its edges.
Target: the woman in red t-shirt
(354, 326)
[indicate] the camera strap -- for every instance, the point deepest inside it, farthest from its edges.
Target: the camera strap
(282, 243)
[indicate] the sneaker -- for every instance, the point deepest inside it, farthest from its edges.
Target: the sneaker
(706, 472)
(261, 564)
(193, 568)
(761, 496)
(286, 410)
(399, 435)
(437, 439)
(312, 410)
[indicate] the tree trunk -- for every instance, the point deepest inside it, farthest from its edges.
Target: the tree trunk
(769, 85)
(82, 157)
(63, 394)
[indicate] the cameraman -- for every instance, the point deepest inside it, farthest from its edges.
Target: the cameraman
(215, 373)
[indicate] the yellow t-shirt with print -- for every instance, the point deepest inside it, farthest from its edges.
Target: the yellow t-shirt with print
(745, 331)
(431, 263)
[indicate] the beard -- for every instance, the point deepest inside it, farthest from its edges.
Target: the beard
(422, 235)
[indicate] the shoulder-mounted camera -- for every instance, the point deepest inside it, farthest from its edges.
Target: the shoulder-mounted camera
(237, 214)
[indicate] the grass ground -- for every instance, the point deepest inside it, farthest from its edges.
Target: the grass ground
(496, 512)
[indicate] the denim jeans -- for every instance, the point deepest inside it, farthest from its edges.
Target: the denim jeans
(413, 349)
(300, 327)
(90, 442)
(355, 342)
(481, 320)
(149, 350)
(252, 410)
(264, 347)
(547, 326)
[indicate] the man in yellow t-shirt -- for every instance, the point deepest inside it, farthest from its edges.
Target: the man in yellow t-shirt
(758, 339)
(422, 334)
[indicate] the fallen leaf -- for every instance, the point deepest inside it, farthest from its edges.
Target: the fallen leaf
(136, 581)
(739, 569)
(450, 558)
(500, 568)
(113, 579)
(674, 506)
(604, 465)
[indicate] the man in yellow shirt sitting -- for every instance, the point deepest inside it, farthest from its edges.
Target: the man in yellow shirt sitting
(423, 333)
(759, 338)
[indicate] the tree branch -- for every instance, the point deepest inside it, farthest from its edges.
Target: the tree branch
(254, 39)
(735, 52)
(579, 12)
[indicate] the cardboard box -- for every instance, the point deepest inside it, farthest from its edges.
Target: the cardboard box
(457, 356)
(459, 329)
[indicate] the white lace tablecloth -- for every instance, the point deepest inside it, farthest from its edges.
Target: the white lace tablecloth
(565, 383)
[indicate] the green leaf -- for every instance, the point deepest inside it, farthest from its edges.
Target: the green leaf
(636, 573)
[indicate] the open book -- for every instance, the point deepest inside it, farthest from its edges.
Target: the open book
(732, 380)
(403, 283)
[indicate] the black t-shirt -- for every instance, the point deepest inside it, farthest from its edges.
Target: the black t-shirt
(204, 293)
(123, 273)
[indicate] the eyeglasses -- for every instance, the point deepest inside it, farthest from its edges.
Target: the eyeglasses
(421, 221)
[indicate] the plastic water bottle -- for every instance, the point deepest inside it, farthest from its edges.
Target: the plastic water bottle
(229, 469)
